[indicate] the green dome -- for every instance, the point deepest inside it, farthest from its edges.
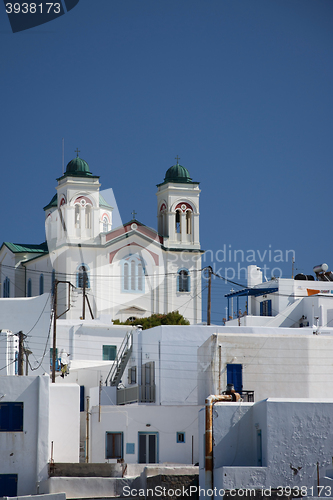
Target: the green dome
(177, 173)
(78, 167)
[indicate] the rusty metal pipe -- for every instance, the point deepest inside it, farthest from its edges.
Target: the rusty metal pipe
(209, 404)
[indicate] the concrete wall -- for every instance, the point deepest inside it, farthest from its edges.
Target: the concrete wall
(65, 422)
(26, 453)
(277, 362)
(132, 419)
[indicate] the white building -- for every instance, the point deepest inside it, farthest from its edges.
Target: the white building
(34, 414)
(283, 302)
(127, 271)
(271, 362)
(275, 444)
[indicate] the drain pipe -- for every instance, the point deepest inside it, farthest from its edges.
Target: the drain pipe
(209, 405)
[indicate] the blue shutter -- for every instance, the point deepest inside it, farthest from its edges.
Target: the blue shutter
(269, 308)
(234, 376)
(81, 397)
(11, 417)
(8, 485)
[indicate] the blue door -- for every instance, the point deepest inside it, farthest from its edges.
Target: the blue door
(234, 376)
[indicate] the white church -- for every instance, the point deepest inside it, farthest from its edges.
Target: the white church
(125, 272)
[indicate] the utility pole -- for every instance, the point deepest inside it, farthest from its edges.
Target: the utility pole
(55, 291)
(84, 296)
(209, 298)
(55, 317)
(20, 353)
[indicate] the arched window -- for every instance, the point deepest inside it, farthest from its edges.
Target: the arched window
(77, 216)
(41, 284)
(178, 224)
(183, 280)
(133, 274)
(105, 224)
(88, 216)
(82, 276)
(188, 222)
(29, 291)
(6, 288)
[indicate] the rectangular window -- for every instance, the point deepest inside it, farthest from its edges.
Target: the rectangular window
(109, 352)
(266, 308)
(114, 445)
(81, 398)
(11, 417)
(180, 437)
(8, 485)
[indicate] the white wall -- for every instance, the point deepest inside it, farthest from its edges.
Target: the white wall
(132, 419)
(27, 453)
(296, 434)
(277, 362)
(32, 316)
(174, 351)
(65, 422)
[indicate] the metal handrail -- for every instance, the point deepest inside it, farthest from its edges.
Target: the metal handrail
(125, 345)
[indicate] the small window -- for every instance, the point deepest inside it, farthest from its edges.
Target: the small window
(6, 288)
(105, 224)
(180, 437)
(178, 225)
(8, 485)
(29, 288)
(189, 222)
(266, 308)
(183, 281)
(82, 277)
(114, 445)
(88, 217)
(41, 284)
(109, 352)
(11, 417)
(77, 216)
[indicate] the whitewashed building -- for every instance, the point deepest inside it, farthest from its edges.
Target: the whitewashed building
(275, 444)
(127, 270)
(38, 421)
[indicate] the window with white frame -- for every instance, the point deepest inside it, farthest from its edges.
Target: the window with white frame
(133, 271)
(105, 224)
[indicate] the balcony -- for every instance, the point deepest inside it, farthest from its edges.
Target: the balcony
(136, 394)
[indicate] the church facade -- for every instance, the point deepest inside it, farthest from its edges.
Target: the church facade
(129, 271)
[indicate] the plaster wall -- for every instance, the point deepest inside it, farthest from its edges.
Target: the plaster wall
(32, 316)
(276, 362)
(132, 419)
(65, 422)
(174, 352)
(26, 453)
(296, 434)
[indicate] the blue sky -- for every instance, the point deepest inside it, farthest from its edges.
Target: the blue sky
(241, 90)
